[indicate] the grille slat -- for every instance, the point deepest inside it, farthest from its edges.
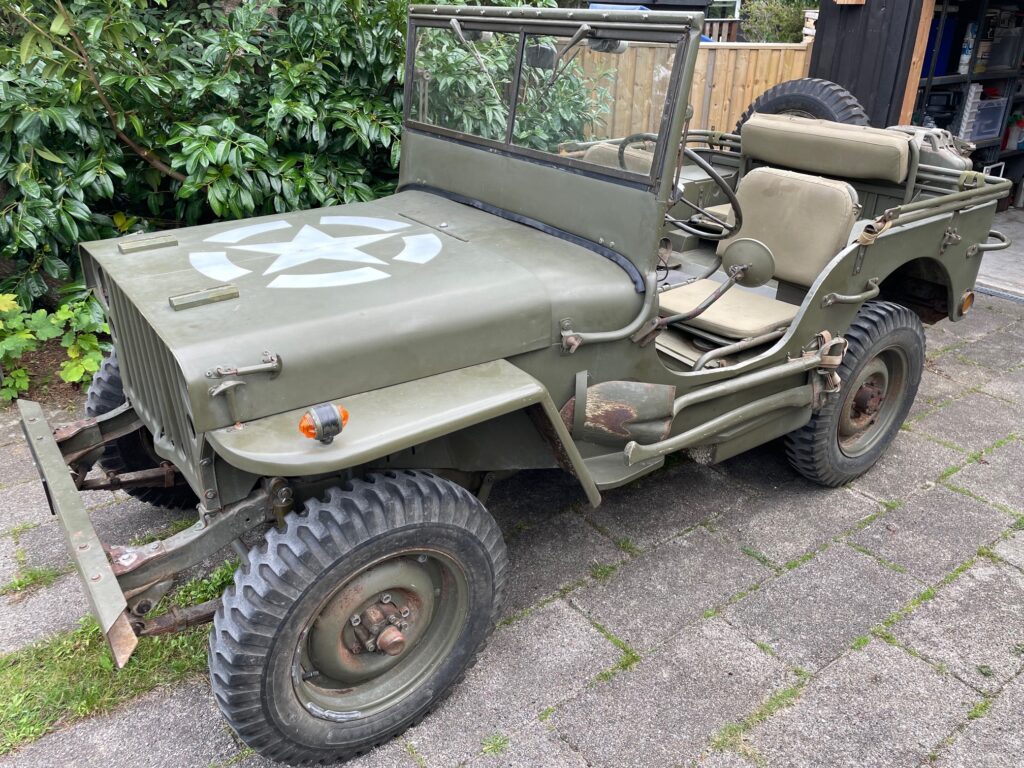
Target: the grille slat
(153, 380)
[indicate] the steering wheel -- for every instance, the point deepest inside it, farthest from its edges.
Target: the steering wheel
(691, 226)
(633, 138)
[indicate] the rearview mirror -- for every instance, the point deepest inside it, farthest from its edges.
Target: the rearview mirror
(607, 46)
(541, 56)
(751, 260)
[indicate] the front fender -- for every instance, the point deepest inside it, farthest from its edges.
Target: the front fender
(392, 419)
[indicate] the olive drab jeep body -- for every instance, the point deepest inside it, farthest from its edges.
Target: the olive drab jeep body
(567, 276)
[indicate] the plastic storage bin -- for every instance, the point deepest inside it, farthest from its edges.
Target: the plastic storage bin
(988, 124)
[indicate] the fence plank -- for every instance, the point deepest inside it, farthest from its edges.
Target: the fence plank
(728, 77)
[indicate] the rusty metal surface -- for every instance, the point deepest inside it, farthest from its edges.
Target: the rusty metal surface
(178, 619)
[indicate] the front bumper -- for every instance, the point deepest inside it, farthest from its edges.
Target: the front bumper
(106, 599)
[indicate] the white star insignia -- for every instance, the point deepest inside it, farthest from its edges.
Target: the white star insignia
(310, 244)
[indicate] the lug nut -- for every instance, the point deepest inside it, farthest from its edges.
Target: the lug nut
(354, 620)
(392, 619)
(371, 646)
(385, 598)
(405, 613)
(356, 648)
(391, 641)
(421, 559)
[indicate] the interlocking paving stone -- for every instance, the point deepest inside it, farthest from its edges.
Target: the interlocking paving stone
(661, 505)
(934, 390)
(1011, 549)
(394, 754)
(999, 351)
(533, 664)
(16, 464)
(665, 709)
(933, 532)
(22, 503)
(998, 476)
(975, 626)
(533, 497)
(180, 727)
(34, 615)
(995, 740)
(1009, 386)
(908, 463)
(763, 469)
(955, 365)
(652, 596)
(875, 707)
(9, 565)
(796, 520)
(986, 317)
(974, 421)
(811, 614)
(534, 746)
(551, 555)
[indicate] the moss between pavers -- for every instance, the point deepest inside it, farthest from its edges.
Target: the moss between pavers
(71, 675)
(730, 738)
(627, 660)
(28, 579)
(495, 744)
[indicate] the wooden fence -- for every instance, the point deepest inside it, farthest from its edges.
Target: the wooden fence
(727, 78)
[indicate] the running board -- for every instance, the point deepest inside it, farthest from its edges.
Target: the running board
(612, 470)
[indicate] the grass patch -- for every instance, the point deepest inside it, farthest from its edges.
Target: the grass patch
(761, 557)
(884, 561)
(30, 579)
(628, 547)
(985, 670)
(415, 755)
(765, 648)
(603, 571)
(980, 709)
(71, 675)
(545, 714)
(495, 744)
(796, 562)
(891, 504)
(16, 531)
(989, 554)
(627, 660)
(730, 737)
(860, 642)
(176, 526)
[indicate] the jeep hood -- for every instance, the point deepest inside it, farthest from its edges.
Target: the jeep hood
(349, 299)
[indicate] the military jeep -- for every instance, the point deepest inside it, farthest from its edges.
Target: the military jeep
(567, 277)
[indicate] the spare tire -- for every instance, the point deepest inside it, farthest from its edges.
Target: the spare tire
(133, 452)
(808, 97)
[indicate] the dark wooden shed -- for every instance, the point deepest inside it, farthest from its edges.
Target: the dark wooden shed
(868, 49)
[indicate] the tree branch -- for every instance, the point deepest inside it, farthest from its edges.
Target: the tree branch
(83, 57)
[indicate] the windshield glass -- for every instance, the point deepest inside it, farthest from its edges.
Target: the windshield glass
(591, 100)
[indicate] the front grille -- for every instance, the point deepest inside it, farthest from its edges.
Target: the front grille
(152, 379)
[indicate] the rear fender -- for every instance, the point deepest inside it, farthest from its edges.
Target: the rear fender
(389, 420)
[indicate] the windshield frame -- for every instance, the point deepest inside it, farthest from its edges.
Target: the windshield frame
(634, 31)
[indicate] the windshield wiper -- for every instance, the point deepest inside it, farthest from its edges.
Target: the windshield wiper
(457, 28)
(583, 31)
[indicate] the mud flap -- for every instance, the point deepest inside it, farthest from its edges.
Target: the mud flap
(106, 600)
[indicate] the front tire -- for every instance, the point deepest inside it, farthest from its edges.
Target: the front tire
(133, 452)
(354, 621)
(880, 375)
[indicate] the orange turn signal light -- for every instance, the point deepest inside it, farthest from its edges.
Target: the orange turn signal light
(966, 302)
(323, 422)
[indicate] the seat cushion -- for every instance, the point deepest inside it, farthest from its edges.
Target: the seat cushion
(738, 314)
(637, 160)
(825, 147)
(804, 220)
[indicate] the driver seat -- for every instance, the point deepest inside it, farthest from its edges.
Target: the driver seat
(804, 220)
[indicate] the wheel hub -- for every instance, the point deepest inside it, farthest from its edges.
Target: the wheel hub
(380, 627)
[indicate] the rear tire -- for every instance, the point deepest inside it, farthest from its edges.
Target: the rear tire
(288, 668)
(808, 97)
(130, 453)
(880, 376)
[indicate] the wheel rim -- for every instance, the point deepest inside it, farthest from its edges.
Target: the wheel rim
(409, 609)
(798, 113)
(873, 402)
